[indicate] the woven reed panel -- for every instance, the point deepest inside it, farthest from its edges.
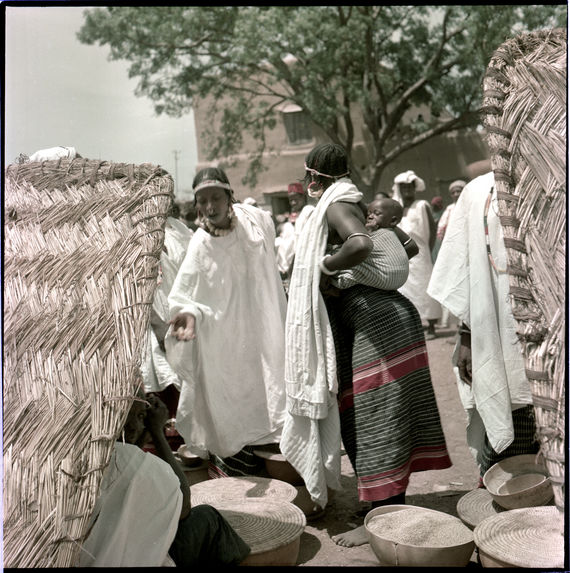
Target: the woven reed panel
(525, 102)
(81, 252)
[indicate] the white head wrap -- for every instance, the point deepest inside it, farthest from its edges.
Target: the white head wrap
(407, 177)
(52, 153)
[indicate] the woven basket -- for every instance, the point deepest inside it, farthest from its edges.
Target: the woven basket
(532, 537)
(525, 102)
(81, 252)
(216, 491)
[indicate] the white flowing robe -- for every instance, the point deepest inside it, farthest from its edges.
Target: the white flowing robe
(285, 243)
(135, 518)
(156, 372)
(311, 435)
(233, 391)
(415, 223)
(464, 281)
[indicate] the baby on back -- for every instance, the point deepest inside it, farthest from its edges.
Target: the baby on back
(387, 266)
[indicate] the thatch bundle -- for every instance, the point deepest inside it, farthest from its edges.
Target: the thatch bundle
(81, 252)
(525, 103)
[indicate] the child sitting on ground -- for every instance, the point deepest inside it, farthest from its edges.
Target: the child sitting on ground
(386, 267)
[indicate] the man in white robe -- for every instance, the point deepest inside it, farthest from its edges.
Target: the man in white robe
(470, 279)
(419, 224)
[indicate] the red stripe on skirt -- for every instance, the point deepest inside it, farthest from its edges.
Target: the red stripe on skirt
(383, 371)
(395, 481)
(389, 368)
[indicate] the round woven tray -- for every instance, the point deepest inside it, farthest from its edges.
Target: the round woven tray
(215, 492)
(265, 525)
(477, 505)
(530, 537)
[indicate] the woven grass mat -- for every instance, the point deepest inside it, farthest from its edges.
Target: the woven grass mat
(264, 524)
(81, 252)
(532, 537)
(216, 491)
(477, 505)
(525, 103)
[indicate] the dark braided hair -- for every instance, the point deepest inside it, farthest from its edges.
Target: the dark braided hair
(327, 158)
(215, 173)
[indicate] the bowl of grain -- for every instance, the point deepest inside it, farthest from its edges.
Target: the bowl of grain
(411, 536)
(519, 481)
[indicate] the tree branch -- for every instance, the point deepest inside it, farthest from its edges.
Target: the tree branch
(466, 119)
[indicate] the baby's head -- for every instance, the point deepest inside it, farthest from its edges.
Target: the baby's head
(384, 213)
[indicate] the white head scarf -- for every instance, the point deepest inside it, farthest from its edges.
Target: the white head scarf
(53, 153)
(407, 177)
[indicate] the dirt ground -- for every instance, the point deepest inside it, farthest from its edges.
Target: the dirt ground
(436, 489)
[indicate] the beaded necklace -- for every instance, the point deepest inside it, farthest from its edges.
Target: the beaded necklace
(218, 231)
(486, 224)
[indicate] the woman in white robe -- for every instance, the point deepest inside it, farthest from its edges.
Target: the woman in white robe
(227, 342)
(419, 224)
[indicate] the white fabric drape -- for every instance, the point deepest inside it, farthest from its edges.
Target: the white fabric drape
(136, 515)
(464, 281)
(156, 372)
(416, 224)
(311, 434)
(233, 390)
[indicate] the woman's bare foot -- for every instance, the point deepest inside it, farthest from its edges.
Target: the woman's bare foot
(352, 538)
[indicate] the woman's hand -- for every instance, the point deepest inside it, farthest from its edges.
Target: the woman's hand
(326, 286)
(464, 359)
(184, 326)
(156, 415)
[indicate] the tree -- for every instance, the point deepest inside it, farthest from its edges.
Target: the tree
(332, 61)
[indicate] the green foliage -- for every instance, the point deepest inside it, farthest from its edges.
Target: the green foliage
(379, 60)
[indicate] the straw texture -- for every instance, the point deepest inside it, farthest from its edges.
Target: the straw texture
(81, 252)
(532, 537)
(215, 491)
(264, 525)
(525, 116)
(477, 505)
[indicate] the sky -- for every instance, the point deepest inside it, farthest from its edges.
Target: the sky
(61, 92)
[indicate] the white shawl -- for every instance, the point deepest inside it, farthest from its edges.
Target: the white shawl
(135, 519)
(311, 435)
(464, 282)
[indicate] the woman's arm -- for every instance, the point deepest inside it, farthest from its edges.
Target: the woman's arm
(156, 417)
(410, 245)
(347, 221)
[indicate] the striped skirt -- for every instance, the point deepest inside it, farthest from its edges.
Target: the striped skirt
(243, 463)
(390, 422)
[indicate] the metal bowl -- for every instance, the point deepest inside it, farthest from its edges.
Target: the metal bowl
(277, 465)
(519, 481)
(453, 551)
(187, 458)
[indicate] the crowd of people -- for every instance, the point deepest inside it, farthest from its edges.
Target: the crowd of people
(307, 332)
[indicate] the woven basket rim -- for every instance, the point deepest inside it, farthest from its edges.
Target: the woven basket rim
(241, 488)
(527, 537)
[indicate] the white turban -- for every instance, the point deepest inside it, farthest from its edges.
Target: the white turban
(407, 177)
(410, 177)
(54, 153)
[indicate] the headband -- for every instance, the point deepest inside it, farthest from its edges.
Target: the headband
(315, 172)
(211, 183)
